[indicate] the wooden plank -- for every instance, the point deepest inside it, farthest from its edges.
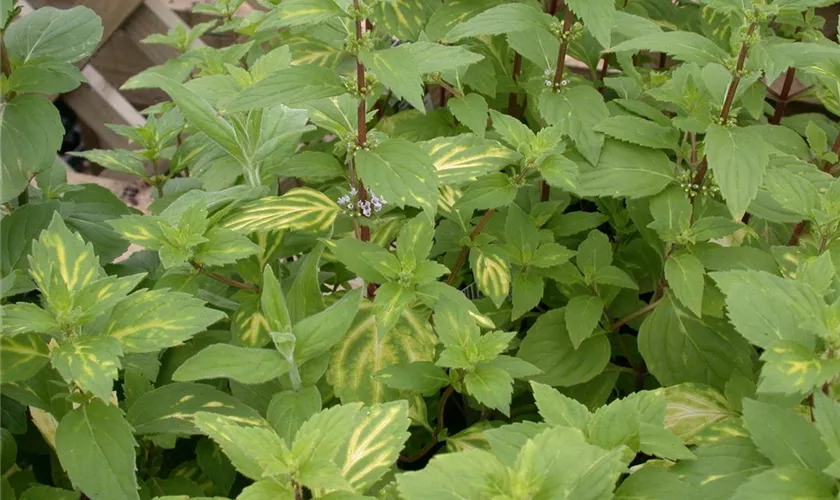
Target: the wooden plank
(97, 103)
(153, 16)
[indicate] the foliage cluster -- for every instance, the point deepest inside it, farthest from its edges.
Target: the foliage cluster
(499, 275)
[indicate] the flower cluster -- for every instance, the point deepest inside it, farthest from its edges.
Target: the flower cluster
(550, 83)
(353, 206)
(693, 190)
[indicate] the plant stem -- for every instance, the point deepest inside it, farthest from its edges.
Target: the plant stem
(462, 255)
(784, 97)
(545, 189)
(605, 66)
(224, 279)
(730, 97)
(635, 314)
(438, 429)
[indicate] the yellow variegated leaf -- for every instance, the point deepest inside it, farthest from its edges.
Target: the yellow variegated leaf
(248, 326)
(301, 209)
(492, 272)
(404, 19)
(306, 50)
(62, 264)
(466, 157)
(22, 356)
(362, 353)
(148, 321)
(92, 363)
(374, 444)
(690, 408)
(791, 368)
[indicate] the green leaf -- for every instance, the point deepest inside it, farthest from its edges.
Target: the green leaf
(678, 347)
(398, 70)
(793, 191)
(738, 157)
(250, 443)
(420, 376)
(41, 492)
(827, 422)
(64, 35)
(492, 272)
(639, 131)
(170, 409)
(595, 252)
(786, 482)
(301, 209)
(92, 363)
(685, 275)
(288, 410)
(471, 110)
(305, 297)
(491, 191)
(448, 476)
(512, 131)
(201, 115)
(464, 158)
(548, 347)
(362, 353)
(305, 12)
(95, 446)
(583, 313)
(414, 242)
(366, 260)
(491, 387)
(224, 246)
(506, 18)
(150, 320)
(560, 172)
(528, 289)
(626, 170)
(273, 304)
(22, 356)
(785, 437)
(576, 111)
(680, 45)
(242, 364)
(18, 229)
(118, 160)
(597, 17)
(401, 172)
(292, 86)
(32, 133)
(558, 409)
(318, 333)
(790, 368)
(766, 308)
(671, 211)
(650, 483)
(374, 444)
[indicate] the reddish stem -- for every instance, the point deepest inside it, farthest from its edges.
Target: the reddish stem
(224, 279)
(438, 429)
(730, 98)
(462, 255)
(517, 68)
(784, 97)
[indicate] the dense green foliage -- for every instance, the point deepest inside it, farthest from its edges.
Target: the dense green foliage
(499, 276)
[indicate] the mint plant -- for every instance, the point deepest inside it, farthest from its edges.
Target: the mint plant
(418, 250)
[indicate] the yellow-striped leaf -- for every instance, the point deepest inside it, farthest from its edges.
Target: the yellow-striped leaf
(92, 363)
(24, 317)
(248, 326)
(464, 158)
(22, 356)
(374, 444)
(303, 12)
(401, 172)
(171, 408)
(362, 353)
(301, 209)
(150, 320)
(492, 272)
(62, 264)
(403, 19)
